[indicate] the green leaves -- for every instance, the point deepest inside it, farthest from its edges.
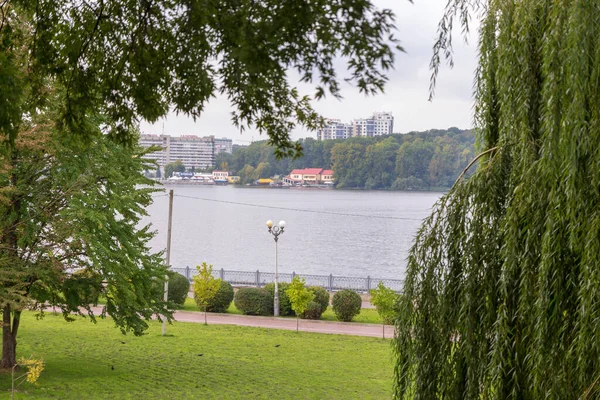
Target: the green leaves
(205, 285)
(70, 227)
(500, 298)
(299, 295)
(137, 60)
(384, 299)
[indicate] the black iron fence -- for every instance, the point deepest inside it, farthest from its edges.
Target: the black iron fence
(330, 282)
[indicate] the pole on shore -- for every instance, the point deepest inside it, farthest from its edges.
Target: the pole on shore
(168, 256)
(276, 295)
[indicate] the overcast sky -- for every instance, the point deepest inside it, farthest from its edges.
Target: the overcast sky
(406, 92)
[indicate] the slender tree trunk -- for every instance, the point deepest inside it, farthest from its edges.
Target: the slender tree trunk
(205, 322)
(9, 338)
(297, 321)
(383, 329)
(9, 330)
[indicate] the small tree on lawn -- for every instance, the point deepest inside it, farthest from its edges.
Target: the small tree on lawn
(205, 287)
(34, 369)
(384, 300)
(299, 297)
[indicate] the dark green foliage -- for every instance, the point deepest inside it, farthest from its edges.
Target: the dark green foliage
(313, 311)
(222, 299)
(321, 296)
(318, 305)
(501, 295)
(83, 286)
(72, 206)
(161, 58)
(285, 307)
(176, 166)
(179, 287)
(346, 304)
(413, 161)
(254, 301)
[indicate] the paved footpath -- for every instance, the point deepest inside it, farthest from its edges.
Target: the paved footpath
(339, 328)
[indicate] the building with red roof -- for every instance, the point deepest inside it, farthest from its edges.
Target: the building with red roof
(311, 176)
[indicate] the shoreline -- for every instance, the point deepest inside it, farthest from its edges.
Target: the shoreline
(165, 182)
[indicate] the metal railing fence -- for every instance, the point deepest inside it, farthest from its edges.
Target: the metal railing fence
(330, 282)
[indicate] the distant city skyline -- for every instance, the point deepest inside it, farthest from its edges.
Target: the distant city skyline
(406, 93)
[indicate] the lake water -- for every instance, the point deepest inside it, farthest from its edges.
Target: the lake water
(351, 233)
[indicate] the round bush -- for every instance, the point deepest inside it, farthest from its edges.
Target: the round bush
(223, 298)
(253, 301)
(285, 306)
(346, 304)
(319, 304)
(179, 286)
(313, 311)
(321, 296)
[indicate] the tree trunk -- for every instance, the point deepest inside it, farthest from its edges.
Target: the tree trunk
(297, 323)
(383, 329)
(9, 331)
(205, 322)
(9, 338)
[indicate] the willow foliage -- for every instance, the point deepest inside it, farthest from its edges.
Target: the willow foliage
(502, 293)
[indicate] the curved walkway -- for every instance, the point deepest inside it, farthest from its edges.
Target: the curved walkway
(305, 325)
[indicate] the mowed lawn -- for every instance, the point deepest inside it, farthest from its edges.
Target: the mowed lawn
(199, 362)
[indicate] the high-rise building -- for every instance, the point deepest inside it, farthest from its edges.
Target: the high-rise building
(223, 145)
(158, 141)
(191, 150)
(334, 129)
(380, 123)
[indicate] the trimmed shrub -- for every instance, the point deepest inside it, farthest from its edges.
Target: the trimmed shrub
(223, 298)
(179, 286)
(313, 311)
(253, 301)
(317, 307)
(321, 296)
(285, 307)
(346, 304)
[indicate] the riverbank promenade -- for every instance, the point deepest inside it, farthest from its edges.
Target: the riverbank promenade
(305, 325)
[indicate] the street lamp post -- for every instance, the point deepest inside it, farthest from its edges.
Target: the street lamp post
(276, 231)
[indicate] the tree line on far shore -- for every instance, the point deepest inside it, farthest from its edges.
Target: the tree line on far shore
(414, 161)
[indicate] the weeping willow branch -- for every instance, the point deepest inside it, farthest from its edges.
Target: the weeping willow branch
(473, 161)
(589, 390)
(500, 299)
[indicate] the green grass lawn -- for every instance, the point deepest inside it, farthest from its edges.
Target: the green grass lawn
(366, 316)
(197, 362)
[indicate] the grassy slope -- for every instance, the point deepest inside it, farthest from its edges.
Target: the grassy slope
(366, 316)
(236, 362)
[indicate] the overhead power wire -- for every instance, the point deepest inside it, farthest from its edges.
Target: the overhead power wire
(299, 209)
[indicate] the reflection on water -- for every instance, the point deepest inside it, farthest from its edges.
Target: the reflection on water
(235, 237)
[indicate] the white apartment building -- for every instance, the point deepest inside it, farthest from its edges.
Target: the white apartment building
(191, 150)
(160, 156)
(223, 145)
(334, 129)
(380, 123)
